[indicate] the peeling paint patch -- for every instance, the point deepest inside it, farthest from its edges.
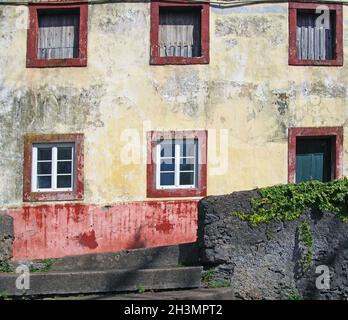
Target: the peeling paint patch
(324, 88)
(165, 226)
(184, 92)
(273, 8)
(282, 102)
(121, 20)
(88, 239)
(249, 26)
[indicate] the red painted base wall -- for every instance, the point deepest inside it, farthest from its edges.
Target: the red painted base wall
(58, 230)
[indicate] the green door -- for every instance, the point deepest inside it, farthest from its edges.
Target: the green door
(313, 160)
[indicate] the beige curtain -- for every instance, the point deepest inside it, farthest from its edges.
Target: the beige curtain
(58, 36)
(179, 34)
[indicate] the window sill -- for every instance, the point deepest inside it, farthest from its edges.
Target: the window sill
(54, 63)
(182, 192)
(53, 196)
(329, 63)
(178, 60)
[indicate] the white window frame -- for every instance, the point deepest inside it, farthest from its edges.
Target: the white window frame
(54, 161)
(177, 158)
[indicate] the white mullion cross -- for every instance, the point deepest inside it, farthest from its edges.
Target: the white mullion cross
(54, 167)
(158, 166)
(177, 165)
(34, 184)
(72, 167)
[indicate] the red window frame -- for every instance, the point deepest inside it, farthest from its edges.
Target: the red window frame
(152, 139)
(293, 60)
(32, 37)
(156, 59)
(335, 133)
(78, 191)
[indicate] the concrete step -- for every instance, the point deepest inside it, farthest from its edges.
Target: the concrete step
(149, 258)
(188, 294)
(84, 282)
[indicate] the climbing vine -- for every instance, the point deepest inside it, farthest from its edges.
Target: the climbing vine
(305, 233)
(289, 202)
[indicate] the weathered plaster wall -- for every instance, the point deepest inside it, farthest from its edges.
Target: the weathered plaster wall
(247, 89)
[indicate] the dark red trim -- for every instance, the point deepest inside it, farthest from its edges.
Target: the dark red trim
(335, 132)
(293, 60)
(155, 58)
(77, 193)
(152, 138)
(32, 38)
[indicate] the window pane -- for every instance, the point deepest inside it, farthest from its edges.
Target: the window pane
(44, 167)
(64, 181)
(167, 165)
(187, 148)
(44, 153)
(187, 164)
(64, 153)
(167, 149)
(180, 33)
(315, 41)
(44, 182)
(58, 35)
(167, 179)
(186, 178)
(64, 167)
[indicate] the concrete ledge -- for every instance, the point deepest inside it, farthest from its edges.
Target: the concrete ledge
(56, 283)
(191, 294)
(148, 258)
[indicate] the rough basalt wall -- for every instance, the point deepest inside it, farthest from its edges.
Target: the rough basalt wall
(6, 239)
(266, 261)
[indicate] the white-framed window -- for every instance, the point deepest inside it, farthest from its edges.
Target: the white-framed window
(52, 167)
(177, 164)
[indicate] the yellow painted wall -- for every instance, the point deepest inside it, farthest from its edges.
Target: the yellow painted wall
(247, 89)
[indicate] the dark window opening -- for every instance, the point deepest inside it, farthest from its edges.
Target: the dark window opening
(314, 159)
(179, 32)
(316, 35)
(58, 36)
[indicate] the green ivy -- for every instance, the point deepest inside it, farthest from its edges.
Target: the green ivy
(5, 266)
(288, 202)
(294, 295)
(306, 237)
(4, 295)
(140, 288)
(46, 265)
(208, 280)
(219, 284)
(208, 275)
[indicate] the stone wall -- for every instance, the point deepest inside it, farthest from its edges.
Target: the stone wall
(6, 240)
(266, 261)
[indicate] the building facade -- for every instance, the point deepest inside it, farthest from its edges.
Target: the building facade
(116, 118)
